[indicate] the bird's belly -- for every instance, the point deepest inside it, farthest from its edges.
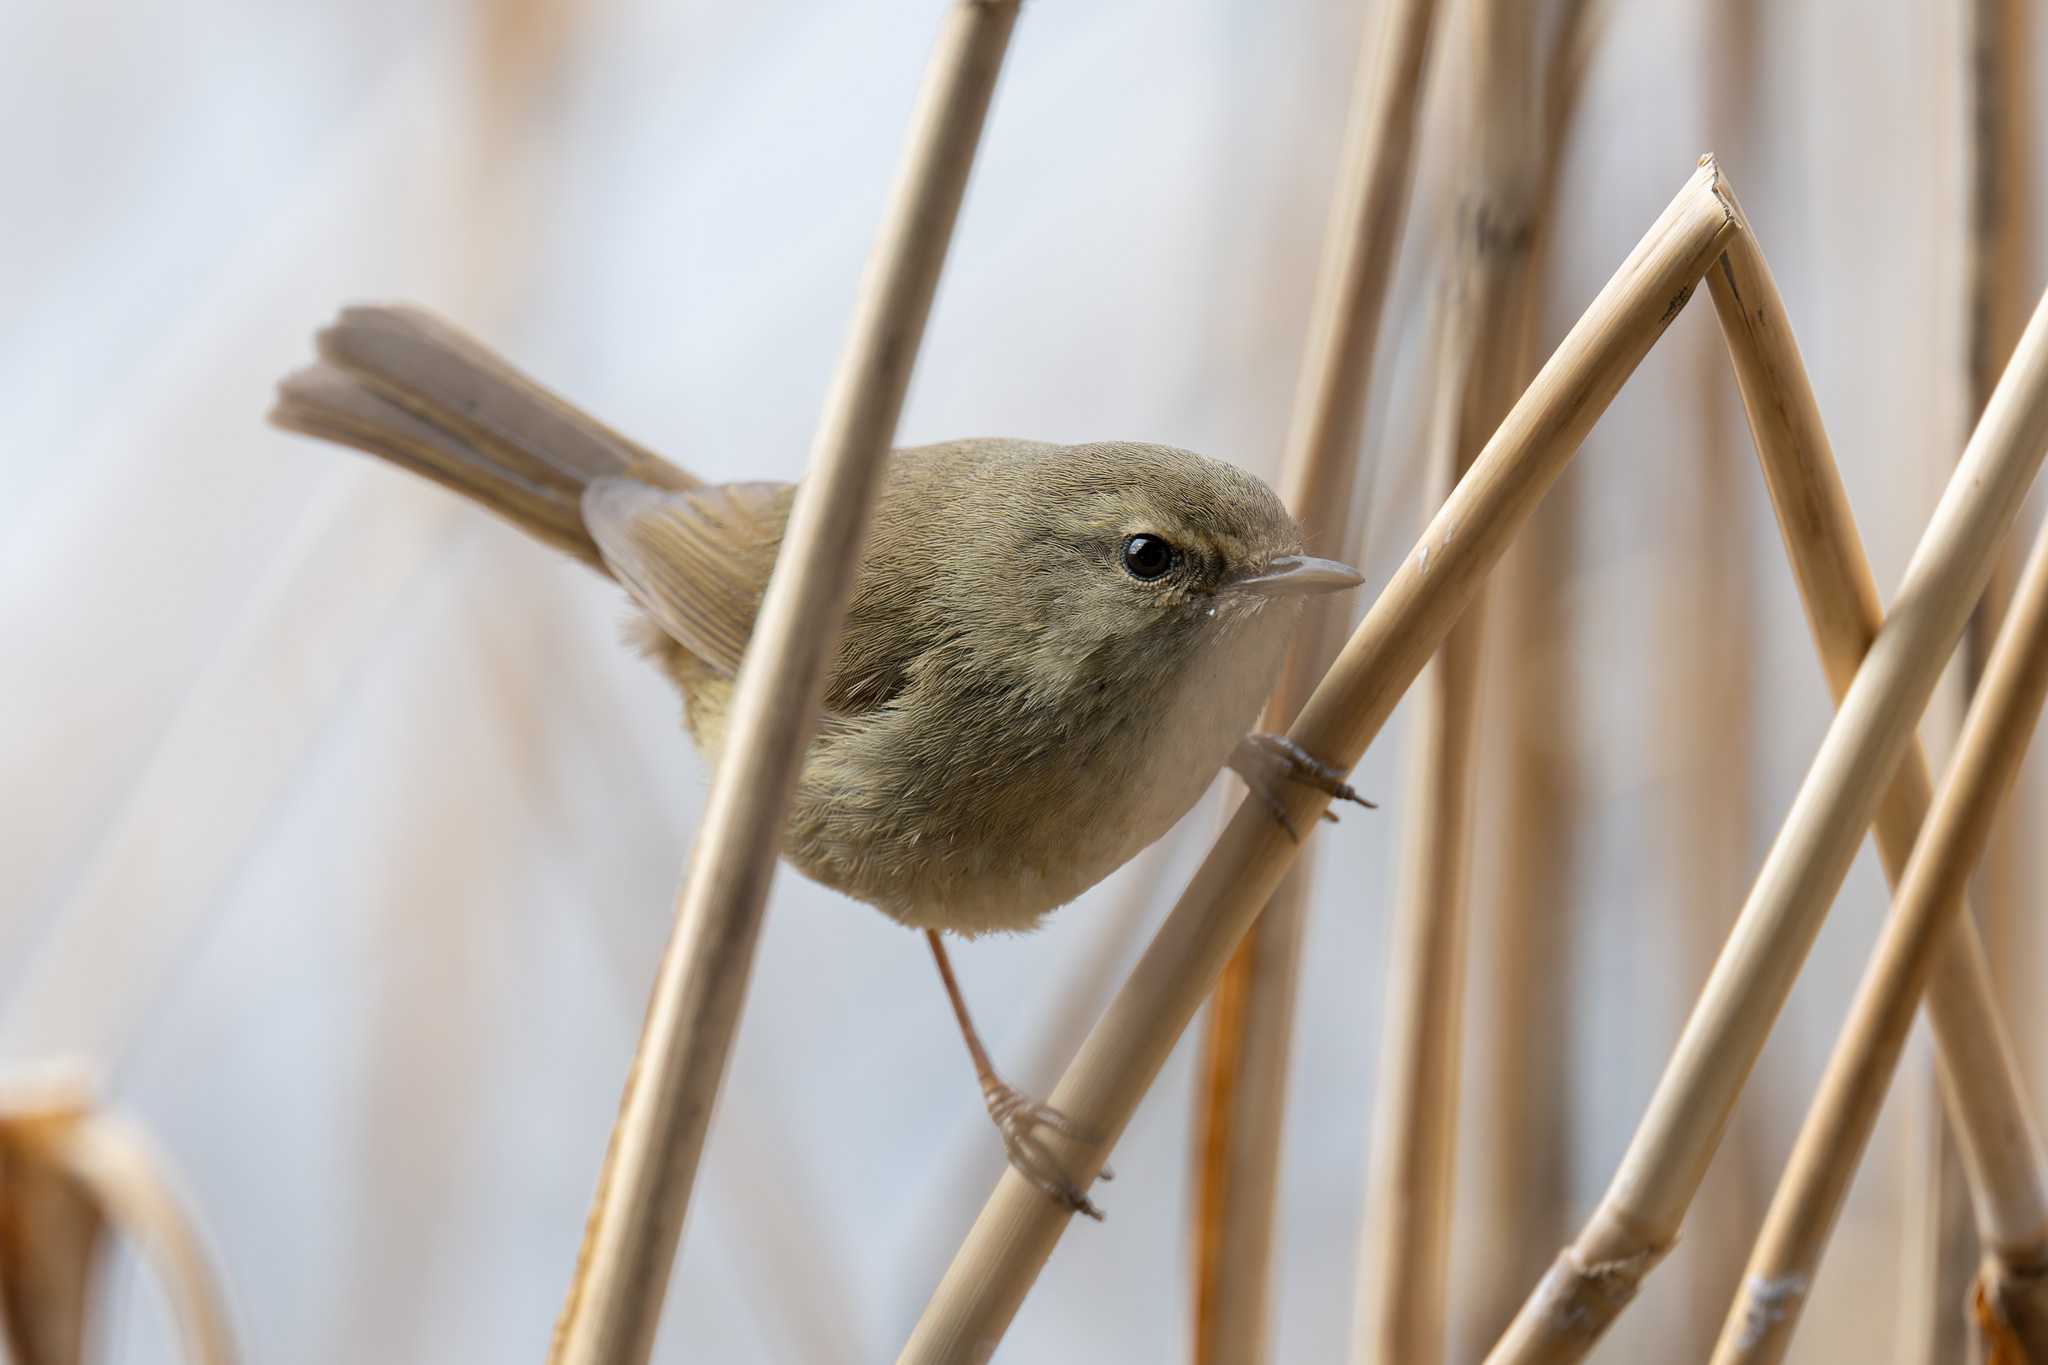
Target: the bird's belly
(1133, 785)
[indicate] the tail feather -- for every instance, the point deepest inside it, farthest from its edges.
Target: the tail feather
(401, 384)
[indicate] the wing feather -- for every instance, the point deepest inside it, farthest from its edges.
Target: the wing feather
(696, 561)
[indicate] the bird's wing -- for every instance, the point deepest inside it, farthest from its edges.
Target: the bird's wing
(696, 561)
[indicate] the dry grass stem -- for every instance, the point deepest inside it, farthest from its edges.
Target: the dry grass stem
(1926, 924)
(1486, 295)
(1242, 1103)
(1638, 1219)
(1019, 1226)
(614, 1301)
(68, 1173)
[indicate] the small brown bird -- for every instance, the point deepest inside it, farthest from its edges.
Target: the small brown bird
(1049, 654)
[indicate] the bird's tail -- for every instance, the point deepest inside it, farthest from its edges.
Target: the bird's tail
(403, 385)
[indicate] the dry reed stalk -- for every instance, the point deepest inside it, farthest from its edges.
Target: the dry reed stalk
(1483, 310)
(1708, 649)
(1637, 1221)
(1927, 925)
(1531, 808)
(68, 1173)
(1996, 262)
(1018, 1227)
(1998, 41)
(1992, 43)
(1242, 1102)
(1531, 786)
(1939, 1260)
(614, 1300)
(1842, 601)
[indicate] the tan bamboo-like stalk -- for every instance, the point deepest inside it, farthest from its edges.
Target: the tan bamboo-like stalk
(1940, 1258)
(1993, 49)
(614, 1300)
(1530, 790)
(1998, 44)
(1926, 926)
(1527, 785)
(1637, 1221)
(1997, 268)
(1707, 649)
(69, 1170)
(1018, 1227)
(1404, 1261)
(1241, 1107)
(120, 1167)
(1842, 603)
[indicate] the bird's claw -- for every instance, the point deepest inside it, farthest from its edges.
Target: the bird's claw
(1018, 1118)
(1265, 761)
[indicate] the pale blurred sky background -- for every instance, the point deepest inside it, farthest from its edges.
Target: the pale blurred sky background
(340, 830)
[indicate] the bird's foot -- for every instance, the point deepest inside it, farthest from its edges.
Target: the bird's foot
(1266, 762)
(1018, 1118)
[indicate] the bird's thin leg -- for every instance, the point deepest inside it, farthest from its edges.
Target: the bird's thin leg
(1017, 1116)
(1267, 762)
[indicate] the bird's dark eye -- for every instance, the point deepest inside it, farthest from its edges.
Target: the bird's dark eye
(1147, 557)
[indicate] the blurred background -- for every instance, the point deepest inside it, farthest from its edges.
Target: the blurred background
(340, 830)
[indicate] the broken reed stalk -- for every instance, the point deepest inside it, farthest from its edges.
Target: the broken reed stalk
(68, 1171)
(1927, 925)
(1842, 604)
(1242, 1102)
(1483, 305)
(1637, 1221)
(614, 1301)
(1018, 1227)
(1989, 1115)
(1708, 650)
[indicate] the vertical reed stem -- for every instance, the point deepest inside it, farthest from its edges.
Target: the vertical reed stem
(1998, 270)
(614, 1301)
(1242, 1107)
(1483, 304)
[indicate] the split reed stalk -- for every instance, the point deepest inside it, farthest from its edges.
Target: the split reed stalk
(614, 1300)
(1927, 925)
(1637, 1221)
(1018, 1227)
(1483, 305)
(1242, 1102)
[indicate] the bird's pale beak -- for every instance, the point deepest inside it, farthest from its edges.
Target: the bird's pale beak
(1289, 575)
